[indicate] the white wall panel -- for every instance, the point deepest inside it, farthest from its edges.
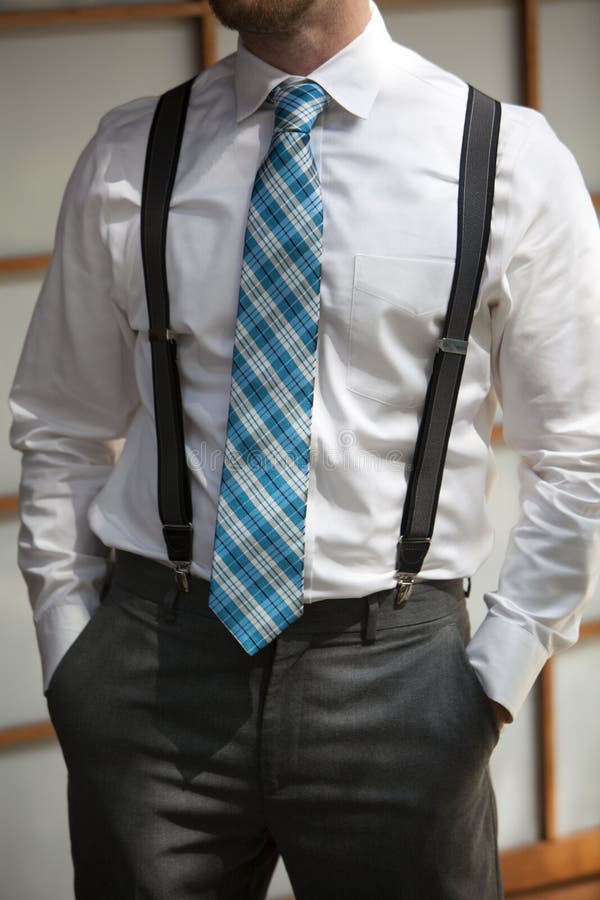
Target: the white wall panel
(226, 41)
(577, 737)
(55, 84)
(570, 78)
(592, 611)
(515, 776)
(34, 852)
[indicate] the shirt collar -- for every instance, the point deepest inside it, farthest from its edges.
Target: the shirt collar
(352, 77)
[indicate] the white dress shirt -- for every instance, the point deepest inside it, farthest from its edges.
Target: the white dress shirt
(387, 150)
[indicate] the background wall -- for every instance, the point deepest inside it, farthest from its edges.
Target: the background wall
(55, 83)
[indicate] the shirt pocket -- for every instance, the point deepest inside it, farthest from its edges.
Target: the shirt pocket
(397, 316)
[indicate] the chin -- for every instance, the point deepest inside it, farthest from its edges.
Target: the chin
(261, 16)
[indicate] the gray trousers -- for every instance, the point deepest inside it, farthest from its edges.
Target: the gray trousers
(356, 745)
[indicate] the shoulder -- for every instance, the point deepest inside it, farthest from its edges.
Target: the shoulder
(530, 141)
(526, 137)
(421, 81)
(126, 127)
(111, 165)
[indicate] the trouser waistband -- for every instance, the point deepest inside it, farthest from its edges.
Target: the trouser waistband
(429, 600)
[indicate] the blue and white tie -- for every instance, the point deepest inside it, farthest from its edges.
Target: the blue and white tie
(258, 566)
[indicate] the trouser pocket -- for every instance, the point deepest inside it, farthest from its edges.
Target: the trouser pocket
(74, 651)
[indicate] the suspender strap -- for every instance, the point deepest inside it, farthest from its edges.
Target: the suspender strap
(174, 496)
(475, 199)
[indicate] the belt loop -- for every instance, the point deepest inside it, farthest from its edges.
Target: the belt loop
(166, 611)
(370, 630)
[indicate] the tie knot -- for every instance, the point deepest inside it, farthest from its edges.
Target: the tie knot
(298, 105)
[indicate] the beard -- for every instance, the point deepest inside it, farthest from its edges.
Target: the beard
(261, 16)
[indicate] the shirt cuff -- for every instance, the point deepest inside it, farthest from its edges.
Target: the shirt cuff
(507, 660)
(56, 630)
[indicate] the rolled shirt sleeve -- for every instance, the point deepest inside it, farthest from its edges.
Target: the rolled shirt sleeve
(72, 399)
(546, 361)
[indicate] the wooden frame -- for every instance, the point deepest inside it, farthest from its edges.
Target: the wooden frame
(553, 859)
(31, 733)
(95, 15)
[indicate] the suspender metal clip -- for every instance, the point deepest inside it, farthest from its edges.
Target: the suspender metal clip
(182, 576)
(162, 334)
(453, 345)
(405, 583)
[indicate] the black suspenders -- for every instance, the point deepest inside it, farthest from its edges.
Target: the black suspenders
(475, 199)
(174, 494)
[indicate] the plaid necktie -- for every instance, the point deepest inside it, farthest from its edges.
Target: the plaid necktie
(258, 566)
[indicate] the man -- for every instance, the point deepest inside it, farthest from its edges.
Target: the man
(355, 740)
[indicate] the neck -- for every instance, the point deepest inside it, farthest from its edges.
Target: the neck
(333, 26)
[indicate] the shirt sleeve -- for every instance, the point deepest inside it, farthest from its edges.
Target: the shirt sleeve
(72, 399)
(546, 362)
